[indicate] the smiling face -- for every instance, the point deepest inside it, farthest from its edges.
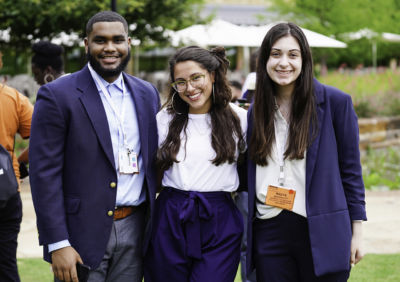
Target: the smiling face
(108, 49)
(285, 62)
(198, 98)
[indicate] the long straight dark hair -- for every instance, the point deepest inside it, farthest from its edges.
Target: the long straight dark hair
(303, 118)
(226, 134)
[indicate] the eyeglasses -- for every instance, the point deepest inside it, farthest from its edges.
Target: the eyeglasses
(196, 80)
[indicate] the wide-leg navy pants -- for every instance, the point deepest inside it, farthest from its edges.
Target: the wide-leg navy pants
(282, 251)
(196, 238)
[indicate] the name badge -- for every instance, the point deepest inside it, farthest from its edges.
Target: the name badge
(280, 197)
(128, 162)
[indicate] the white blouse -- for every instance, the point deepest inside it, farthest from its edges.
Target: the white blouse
(195, 170)
(295, 176)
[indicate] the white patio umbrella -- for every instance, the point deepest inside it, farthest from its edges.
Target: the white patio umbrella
(220, 32)
(373, 37)
(256, 34)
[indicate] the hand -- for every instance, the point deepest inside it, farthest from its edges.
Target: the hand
(357, 252)
(64, 264)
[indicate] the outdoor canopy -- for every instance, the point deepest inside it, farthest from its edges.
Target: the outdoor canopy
(220, 32)
(373, 37)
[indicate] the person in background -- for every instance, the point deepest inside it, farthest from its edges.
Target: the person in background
(250, 81)
(93, 142)
(197, 229)
(15, 117)
(236, 89)
(241, 198)
(305, 184)
(47, 62)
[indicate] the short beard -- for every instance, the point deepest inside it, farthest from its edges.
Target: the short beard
(105, 73)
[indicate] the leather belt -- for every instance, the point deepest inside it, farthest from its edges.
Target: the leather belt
(122, 212)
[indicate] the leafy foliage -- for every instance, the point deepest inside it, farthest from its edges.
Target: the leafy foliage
(373, 93)
(338, 17)
(381, 169)
(28, 20)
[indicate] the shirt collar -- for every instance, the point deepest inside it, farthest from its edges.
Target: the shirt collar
(118, 82)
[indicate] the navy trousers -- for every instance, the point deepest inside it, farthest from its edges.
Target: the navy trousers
(196, 238)
(282, 251)
(10, 223)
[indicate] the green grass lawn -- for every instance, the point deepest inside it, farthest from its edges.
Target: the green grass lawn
(373, 268)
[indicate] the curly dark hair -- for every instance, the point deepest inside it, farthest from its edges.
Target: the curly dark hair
(47, 54)
(226, 130)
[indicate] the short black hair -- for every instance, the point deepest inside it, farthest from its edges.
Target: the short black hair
(47, 54)
(105, 16)
(236, 84)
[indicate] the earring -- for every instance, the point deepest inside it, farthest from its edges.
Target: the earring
(48, 77)
(173, 101)
(213, 95)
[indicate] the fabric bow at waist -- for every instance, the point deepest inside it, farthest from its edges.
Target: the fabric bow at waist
(196, 207)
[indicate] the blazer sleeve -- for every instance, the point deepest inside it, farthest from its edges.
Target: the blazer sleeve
(347, 137)
(46, 155)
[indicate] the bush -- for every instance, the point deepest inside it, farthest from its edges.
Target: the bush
(381, 169)
(373, 93)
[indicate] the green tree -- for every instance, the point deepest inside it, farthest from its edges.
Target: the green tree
(28, 20)
(340, 16)
(337, 17)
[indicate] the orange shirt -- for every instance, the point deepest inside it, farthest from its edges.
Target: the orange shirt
(15, 116)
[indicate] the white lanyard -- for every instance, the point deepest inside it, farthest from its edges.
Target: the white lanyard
(121, 116)
(280, 148)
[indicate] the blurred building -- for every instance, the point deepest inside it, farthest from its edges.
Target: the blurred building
(239, 12)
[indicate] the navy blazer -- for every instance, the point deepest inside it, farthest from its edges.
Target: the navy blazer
(334, 185)
(72, 163)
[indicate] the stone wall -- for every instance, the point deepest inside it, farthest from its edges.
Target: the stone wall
(379, 132)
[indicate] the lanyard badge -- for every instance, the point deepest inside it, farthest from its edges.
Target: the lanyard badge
(280, 196)
(127, 158)
(128, 161)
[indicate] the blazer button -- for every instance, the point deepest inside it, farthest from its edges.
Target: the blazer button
(110, 213)
(113, 184)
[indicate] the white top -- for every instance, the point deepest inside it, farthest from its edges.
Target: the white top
(249, 83)
(295, 176)
(195, 170)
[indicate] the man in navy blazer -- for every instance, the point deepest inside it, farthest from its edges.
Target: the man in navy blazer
(92, 146)
(331, 205)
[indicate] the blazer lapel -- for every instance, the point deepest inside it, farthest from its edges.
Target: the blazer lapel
(312, 151)
(91, 100)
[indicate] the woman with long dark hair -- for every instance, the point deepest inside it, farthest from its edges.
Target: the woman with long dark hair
(306, 193)
(198, 228)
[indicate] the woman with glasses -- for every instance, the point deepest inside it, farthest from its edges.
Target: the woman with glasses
(306, 193)
(198, 228)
